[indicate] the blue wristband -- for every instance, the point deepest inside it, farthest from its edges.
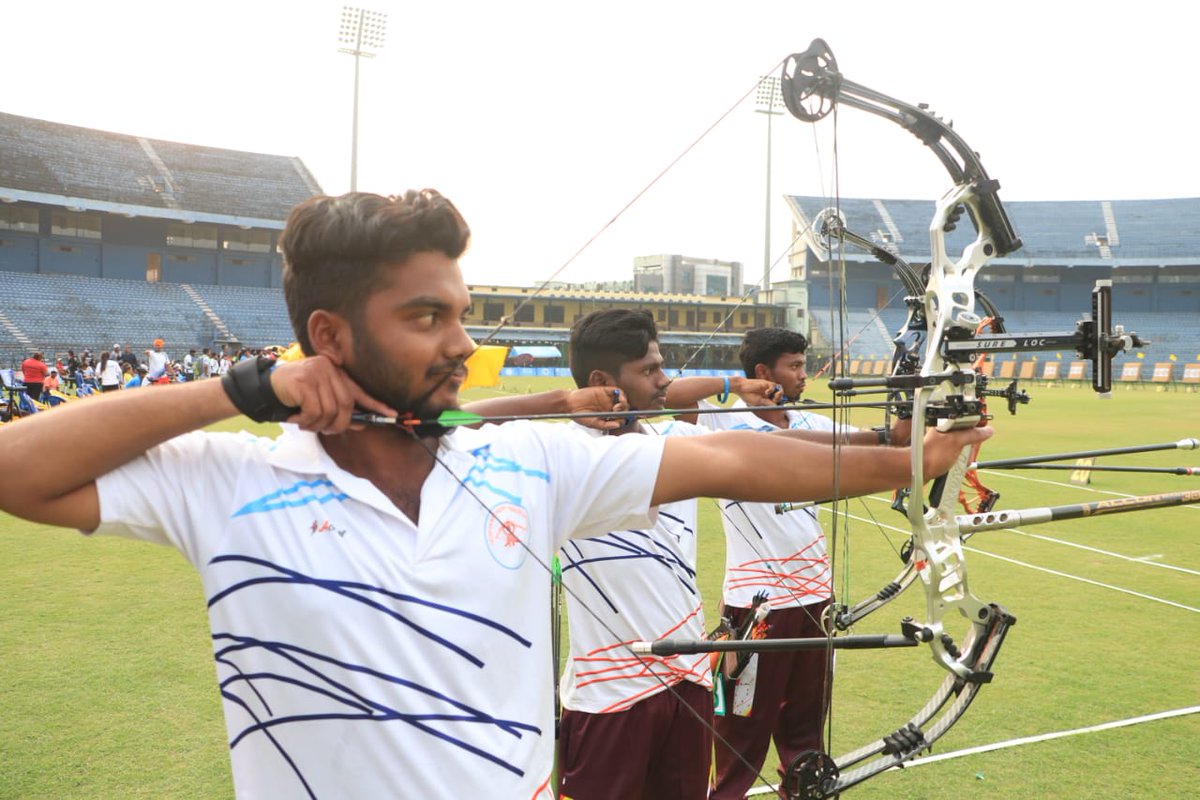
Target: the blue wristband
(723, 396)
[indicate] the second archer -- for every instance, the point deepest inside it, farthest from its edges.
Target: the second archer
(636, 727)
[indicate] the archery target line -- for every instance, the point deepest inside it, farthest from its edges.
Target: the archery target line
(1055, 572)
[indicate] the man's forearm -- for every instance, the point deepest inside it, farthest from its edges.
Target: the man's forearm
(97, 435)
(745, 465)
(866, 438)
(555, 401)
(687, 392)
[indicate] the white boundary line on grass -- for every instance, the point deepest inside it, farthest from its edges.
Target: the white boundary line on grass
(1143, 560)
(1045, 737)
(1047, 570)
(1003, 473)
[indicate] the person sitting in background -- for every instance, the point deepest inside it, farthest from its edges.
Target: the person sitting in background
(52, 382)
(138, 380)
(87, 374)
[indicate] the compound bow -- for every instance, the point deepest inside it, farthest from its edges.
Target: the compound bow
(935, 371)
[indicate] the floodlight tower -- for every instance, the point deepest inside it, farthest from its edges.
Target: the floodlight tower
(767, 99)
(363, 32)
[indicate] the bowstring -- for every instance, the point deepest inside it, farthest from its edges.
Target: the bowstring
(836, 278)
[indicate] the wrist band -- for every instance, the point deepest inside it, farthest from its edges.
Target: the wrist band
(884, 434)
(723, 396)
(248, 384)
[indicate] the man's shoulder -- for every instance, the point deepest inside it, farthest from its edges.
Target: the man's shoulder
(678, 427)
(807, 420)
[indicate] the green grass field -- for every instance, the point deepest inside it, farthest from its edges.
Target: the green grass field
(108, 691)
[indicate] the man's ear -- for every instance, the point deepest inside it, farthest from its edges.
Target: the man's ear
(599, 377)
(330, 335)
(763, 372)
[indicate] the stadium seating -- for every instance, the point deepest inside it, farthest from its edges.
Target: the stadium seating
(60, 312)
(255, 317)
(1059, 230)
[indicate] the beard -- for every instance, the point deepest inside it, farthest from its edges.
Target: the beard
(378, 377)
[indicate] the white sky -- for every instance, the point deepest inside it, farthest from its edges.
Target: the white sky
(541, 120)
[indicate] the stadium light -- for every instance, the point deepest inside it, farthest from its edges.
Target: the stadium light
(767, 99)
(363, 32)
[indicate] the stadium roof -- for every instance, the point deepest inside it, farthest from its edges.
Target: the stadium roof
(1100, 232)
(57, 164)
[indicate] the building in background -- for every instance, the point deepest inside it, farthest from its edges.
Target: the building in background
(675, 274)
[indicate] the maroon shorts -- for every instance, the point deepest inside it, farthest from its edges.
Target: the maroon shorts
(791, 703)
(657, 750)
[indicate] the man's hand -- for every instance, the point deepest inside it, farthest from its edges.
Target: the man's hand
(603, 399)
(941, 450)
(323, 395)
(756, 392)
(900, 434)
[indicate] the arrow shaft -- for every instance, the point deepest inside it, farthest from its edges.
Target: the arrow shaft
(670, 647)
(995, 520)
(1102, 468)
(364, 418)
(1182, 444)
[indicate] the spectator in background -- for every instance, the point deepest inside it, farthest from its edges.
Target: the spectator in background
(52, 382)
(33, 372)
(109, 373)
(72, 363)
(127, 357)
(189, 364)
(87, 376)
(156, 361)
(139, 378)
(206, 364)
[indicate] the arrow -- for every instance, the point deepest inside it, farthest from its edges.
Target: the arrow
(1182, 444)
(1095, 468)
(995, 520)
(457, 417)
(670, 647)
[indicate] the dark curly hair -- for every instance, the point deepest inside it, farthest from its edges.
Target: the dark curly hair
(333, 248)
(766, 345)
(608, 338)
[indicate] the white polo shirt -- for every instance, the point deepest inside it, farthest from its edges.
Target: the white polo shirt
(783, 555)
(633, 585)
(360, 655)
